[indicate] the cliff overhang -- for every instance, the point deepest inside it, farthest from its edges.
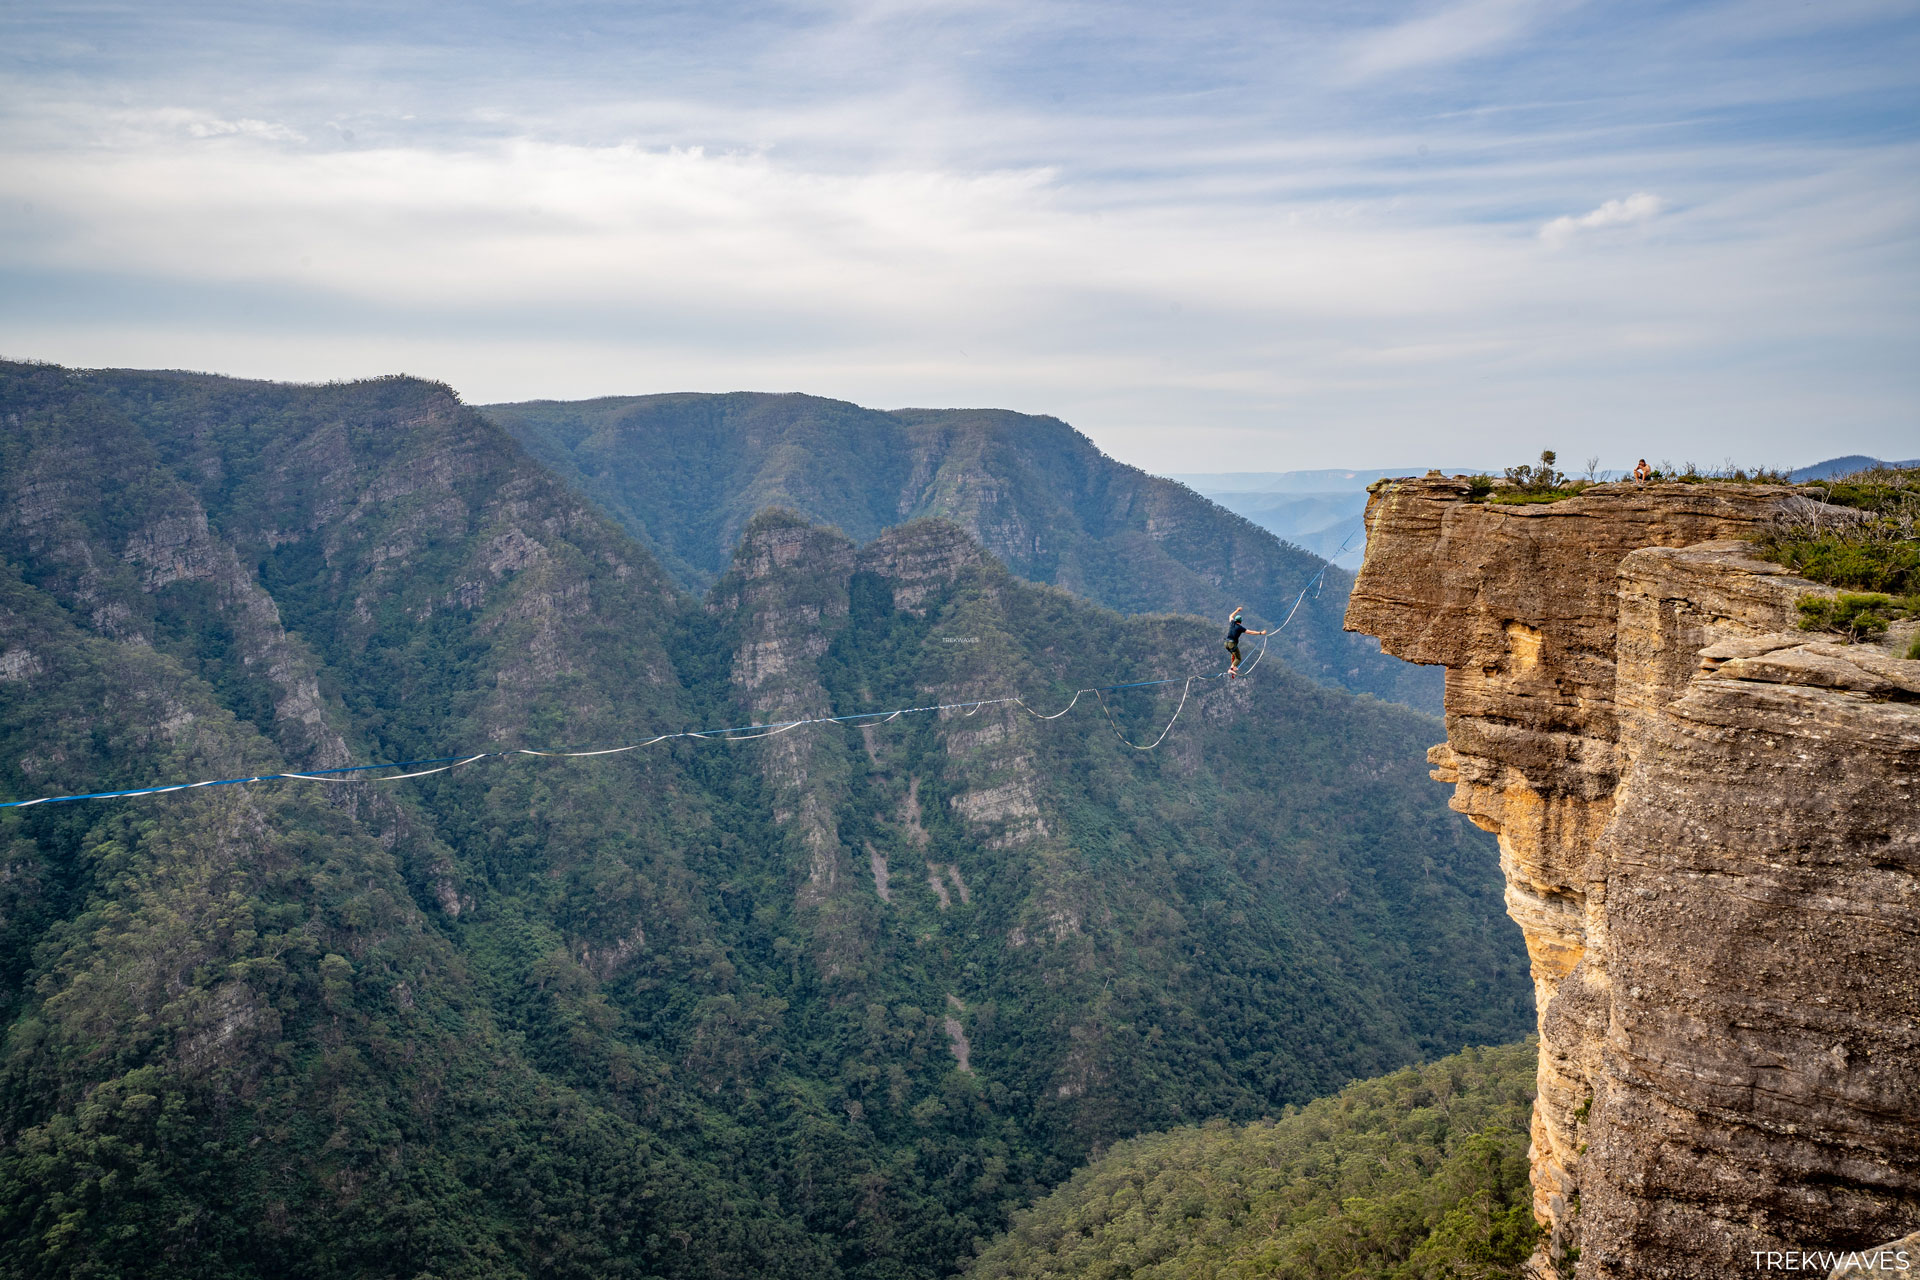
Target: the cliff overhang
(1709, 823)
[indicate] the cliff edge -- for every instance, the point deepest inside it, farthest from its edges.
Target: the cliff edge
(1709, 823)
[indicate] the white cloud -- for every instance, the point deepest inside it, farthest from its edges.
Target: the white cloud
(203, 124)
(537, 223)
(1641, 206)
(1457, 31)
(1329, 328)
(1247, 237)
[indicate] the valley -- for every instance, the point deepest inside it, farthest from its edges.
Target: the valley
(836, 1003)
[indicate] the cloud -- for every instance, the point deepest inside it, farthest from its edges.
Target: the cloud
(1641, 206)
(1254, 235)
(527, 223)
(203, 124)
(1447, 35)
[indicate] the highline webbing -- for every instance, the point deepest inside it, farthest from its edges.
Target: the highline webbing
(736, 733)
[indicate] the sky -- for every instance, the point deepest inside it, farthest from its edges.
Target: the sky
(1223, 237)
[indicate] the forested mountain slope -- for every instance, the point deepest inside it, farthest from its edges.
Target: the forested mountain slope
(247, 1033)
(685, 473)
(828, 1004)
(1420, 1175)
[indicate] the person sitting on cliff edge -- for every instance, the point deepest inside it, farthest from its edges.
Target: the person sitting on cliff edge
(1236, 629)
(1643, 472)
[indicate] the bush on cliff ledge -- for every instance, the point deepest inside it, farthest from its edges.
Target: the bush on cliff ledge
(1536, 483)
(1857, 615)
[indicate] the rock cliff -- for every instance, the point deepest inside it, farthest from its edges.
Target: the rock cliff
(1709, 828)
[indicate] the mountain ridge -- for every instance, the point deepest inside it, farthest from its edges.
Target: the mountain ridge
(684, 472)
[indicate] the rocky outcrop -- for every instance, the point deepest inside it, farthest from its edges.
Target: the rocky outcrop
(1710, 832)
(786, 600)
(153, 572)
(785, 597)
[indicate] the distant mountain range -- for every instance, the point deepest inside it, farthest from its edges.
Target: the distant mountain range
(1320, 510)
(1843, 466)
(1326, 480)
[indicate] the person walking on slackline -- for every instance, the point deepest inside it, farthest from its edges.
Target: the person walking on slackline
(1236, 629)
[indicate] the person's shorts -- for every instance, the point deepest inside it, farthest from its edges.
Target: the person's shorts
(1234, 650)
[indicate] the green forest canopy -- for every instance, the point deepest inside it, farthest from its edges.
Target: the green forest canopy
(1417, 1175)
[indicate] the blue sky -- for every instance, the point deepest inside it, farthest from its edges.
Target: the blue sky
(1222, 237)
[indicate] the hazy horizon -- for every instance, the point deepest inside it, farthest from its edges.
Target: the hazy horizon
(1193, 479)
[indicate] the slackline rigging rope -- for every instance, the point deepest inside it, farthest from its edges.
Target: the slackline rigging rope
(738, 733)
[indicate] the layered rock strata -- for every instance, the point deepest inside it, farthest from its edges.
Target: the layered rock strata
(1709, 823)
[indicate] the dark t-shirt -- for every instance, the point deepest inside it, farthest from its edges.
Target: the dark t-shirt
(1235, 630)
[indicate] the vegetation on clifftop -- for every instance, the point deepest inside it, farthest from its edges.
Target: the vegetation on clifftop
(1856, 614)
(1860, 532)
(1422, 1173)
(1541, 482)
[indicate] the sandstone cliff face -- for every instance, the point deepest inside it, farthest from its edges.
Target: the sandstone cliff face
(1710, 832)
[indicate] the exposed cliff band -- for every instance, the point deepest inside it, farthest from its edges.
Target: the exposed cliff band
(1710, 832)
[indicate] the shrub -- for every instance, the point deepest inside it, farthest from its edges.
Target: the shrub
(1862, 562)
(1857, 615)
(1860, 532)
(1529, 482)
(1538, 479)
